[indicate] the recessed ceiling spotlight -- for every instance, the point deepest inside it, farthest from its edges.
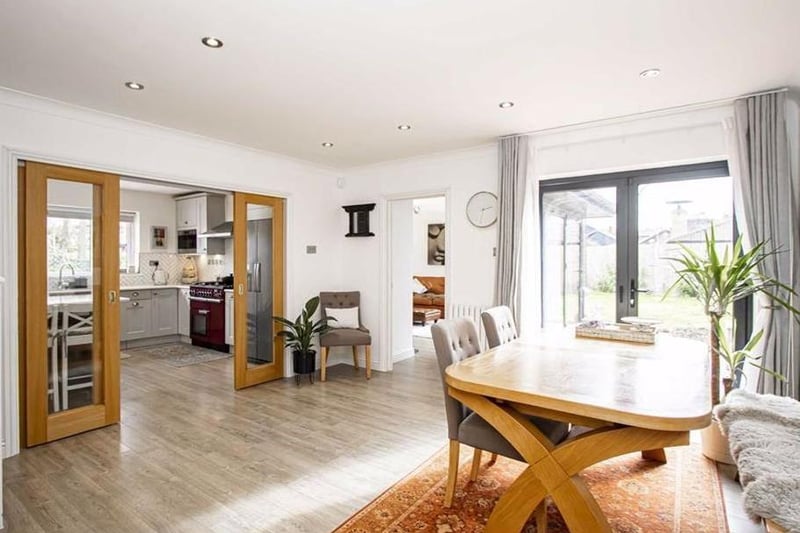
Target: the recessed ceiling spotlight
(404, 127)
(212, 42)
(327, 145)
(505, 105)
(132, 85)
(650, 73)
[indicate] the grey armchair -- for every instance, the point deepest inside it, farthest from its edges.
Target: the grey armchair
(344, 336)
(498, 323)
(455, 340)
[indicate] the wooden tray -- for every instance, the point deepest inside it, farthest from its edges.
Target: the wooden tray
(617, 332)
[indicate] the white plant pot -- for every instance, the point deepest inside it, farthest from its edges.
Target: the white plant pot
(715, 444)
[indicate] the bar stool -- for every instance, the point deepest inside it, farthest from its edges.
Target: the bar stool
(76, 330)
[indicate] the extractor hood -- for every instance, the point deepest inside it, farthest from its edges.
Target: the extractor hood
(221, 231)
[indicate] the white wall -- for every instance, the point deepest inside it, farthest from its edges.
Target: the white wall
(401, 245)
(431, 211)
(40, 129)
(470, 263)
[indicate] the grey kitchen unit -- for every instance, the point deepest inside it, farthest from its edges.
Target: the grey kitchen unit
(149, 313)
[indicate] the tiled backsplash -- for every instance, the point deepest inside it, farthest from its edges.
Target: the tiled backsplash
(172, 264)
(209, 268)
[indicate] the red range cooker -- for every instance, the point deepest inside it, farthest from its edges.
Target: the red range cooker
(207, 313)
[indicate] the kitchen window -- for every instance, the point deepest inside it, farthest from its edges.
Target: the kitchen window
(69, 240)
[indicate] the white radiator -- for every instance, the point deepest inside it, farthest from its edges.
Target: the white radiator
(473, 312)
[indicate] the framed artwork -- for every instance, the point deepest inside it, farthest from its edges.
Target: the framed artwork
(158, 237)
(436, 244)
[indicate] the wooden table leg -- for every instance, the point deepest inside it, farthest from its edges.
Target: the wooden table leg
(658, 455)
(553, 470)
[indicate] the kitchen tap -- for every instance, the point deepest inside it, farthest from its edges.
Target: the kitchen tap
(61, 283)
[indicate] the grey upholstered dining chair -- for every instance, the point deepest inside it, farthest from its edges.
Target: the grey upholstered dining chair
(455, 340)
(344, 336)
(498, 323)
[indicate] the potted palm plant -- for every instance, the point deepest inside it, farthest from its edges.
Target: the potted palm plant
(299, 336)
(717, 281)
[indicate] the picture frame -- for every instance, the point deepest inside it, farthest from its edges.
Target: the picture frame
(158, 237)
(436, 247)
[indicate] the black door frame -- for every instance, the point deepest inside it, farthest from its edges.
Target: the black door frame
(626, 184)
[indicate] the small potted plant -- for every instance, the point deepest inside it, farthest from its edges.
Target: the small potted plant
(299, 336)
(717, 281)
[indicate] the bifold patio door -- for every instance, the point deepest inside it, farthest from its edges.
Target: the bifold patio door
(606, 241)
(69, 304)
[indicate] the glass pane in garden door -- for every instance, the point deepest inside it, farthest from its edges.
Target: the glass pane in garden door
(579, 255)
(673, 215)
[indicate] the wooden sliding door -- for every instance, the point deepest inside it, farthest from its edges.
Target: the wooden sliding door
(69, 287)
(258, 274)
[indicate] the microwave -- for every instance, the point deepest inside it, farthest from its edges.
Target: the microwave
(187, 241)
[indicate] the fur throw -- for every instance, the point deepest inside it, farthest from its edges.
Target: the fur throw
(764, 435)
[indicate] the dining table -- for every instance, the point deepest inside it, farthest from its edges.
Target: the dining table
(629, 397)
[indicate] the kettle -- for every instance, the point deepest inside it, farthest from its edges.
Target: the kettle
(160, 277)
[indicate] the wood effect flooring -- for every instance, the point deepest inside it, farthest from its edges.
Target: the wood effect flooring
(191, 454)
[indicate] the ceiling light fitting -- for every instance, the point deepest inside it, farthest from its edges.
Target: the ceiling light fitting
(132, 85)
(404, 127)
(212, 42)
(505, 105)
(650, 73)
(327, 145)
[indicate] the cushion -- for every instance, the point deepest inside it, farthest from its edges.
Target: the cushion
(346, 317)
(436, 285)
(417, 287)
(346, 337)
(476, 432)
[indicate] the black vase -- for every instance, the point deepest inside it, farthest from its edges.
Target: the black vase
(305, 362)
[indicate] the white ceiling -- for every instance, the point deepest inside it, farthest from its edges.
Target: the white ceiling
(294, 74)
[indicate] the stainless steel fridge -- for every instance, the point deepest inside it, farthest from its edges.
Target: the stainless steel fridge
(259, 292)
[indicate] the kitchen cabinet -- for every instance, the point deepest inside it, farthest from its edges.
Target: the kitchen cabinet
(135, 318)
(202, 212)
(149, 313)
(164, 312)
(183, 312)
(188, 213)
(229, 331)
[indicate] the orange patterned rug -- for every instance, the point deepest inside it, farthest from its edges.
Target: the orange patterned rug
(637, 496)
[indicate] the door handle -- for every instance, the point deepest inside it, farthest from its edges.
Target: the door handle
(202, 311)
(241, 289)
(634, 291)
(112, 296)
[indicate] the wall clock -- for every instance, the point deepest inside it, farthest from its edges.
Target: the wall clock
(482, 209)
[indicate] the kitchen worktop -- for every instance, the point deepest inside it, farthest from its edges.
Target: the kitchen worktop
(149, 287)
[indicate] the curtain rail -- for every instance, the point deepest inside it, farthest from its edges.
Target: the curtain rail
(653, 113)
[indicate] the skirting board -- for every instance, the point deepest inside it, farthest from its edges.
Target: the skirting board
(403, 355)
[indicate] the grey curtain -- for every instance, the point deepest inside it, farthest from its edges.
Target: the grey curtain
(769, 189)
(511, 186)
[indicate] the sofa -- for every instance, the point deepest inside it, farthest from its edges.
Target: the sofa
(433, 297)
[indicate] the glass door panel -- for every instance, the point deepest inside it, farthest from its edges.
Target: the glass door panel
(579, 255)
(258, 288)
(70, 287)
(260, 330)
(672, 214)
(72, 369)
